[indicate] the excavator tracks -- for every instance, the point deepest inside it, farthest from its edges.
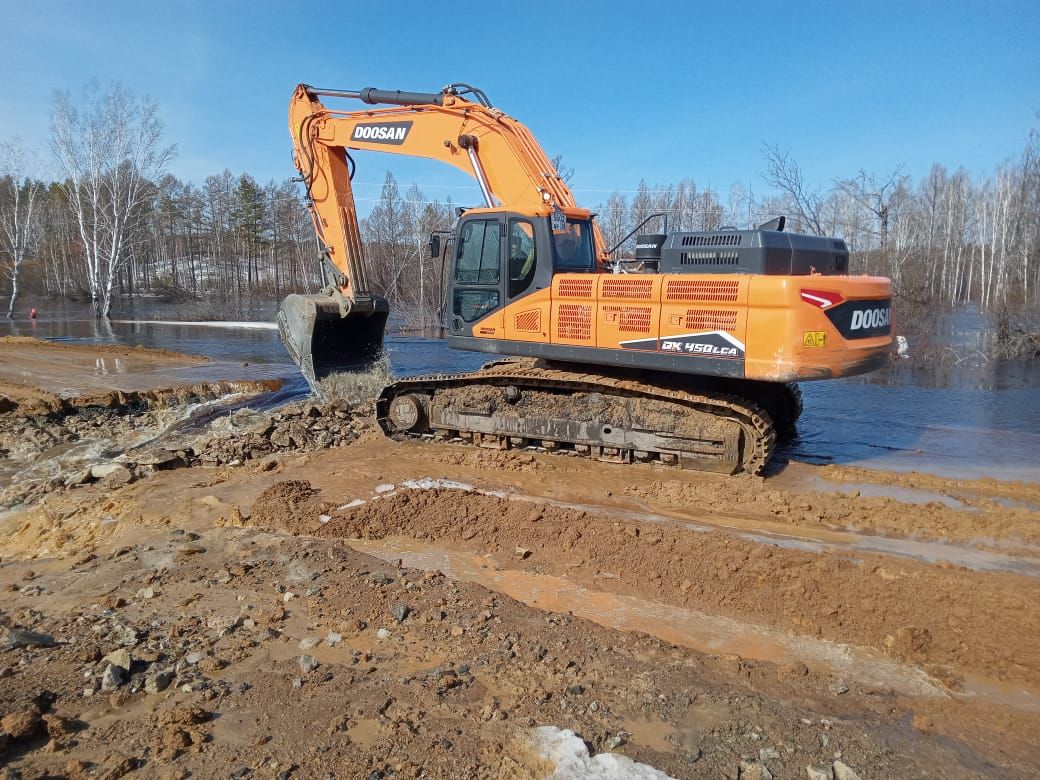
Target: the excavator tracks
(521, 404)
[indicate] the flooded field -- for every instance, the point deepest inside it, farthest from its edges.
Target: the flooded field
(964, 422)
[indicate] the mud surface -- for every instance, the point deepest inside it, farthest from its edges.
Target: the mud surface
(288, 594)
(35, 370)
(904, 609)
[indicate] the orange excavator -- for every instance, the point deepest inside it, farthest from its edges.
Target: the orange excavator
(687, 355)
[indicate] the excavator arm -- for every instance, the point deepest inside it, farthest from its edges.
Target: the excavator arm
(343, 325)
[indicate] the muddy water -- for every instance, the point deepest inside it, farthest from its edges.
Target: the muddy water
(956, 422)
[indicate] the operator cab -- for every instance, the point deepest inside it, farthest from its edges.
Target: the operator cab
(499, 257)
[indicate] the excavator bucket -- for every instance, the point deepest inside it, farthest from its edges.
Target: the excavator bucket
(321, 341)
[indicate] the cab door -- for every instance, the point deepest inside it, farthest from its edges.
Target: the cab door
(478, 284)
(526, 317)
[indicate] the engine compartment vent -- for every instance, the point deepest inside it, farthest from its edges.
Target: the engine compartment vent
(576, 288)
(574, 321)
(702, 290)
(627, 287)
(709, 258)
(712, 239)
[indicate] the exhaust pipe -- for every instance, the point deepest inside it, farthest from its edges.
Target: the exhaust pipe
(321, 340)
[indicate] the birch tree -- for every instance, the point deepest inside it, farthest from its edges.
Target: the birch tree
(563, 170)
(19, 216)
(709, 212)
(109, 150)
(642, 207)
(682, 205)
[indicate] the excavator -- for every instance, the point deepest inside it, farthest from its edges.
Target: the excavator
(689, 354)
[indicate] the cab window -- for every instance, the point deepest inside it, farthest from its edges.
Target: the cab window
(573, 246)
(477, 260)
(522, 259)
(471, 305)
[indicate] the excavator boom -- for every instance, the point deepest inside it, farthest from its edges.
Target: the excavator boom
(342, 326)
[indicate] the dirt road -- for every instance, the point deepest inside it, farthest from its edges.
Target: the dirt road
(291, 595)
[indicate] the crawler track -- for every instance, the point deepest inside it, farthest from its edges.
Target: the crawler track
(519, 404)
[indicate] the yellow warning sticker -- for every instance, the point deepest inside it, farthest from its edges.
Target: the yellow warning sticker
(814, 338)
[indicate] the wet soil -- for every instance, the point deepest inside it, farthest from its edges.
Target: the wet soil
(41, 373)
(285, 657)
(304, 606)
(933, 653)
(945, 617)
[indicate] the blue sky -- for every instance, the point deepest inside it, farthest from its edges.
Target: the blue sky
(623, 90)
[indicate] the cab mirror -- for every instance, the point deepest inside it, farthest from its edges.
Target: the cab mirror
(435, 245)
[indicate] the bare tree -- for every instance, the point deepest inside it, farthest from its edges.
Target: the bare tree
(563, 170)
(386, 238)
(681, 209)
(738, 210)
(876, 194)
(641, 209)
(709, 211)
(421, 219)
(109, 150)
(415, 250)
(18, 213)
(783, 173)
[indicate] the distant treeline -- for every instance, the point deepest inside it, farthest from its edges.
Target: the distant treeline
(947, 239)
(114, 222)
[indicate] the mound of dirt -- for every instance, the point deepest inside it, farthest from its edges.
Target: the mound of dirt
(929, 615)
(285, 505)
(838, 510)
(270, 656)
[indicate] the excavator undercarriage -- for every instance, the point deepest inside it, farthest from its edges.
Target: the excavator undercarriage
(612, 417)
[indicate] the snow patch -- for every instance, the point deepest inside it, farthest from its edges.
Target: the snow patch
(354, 503)
(495, 493)
(428, 483)
(571, 760)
